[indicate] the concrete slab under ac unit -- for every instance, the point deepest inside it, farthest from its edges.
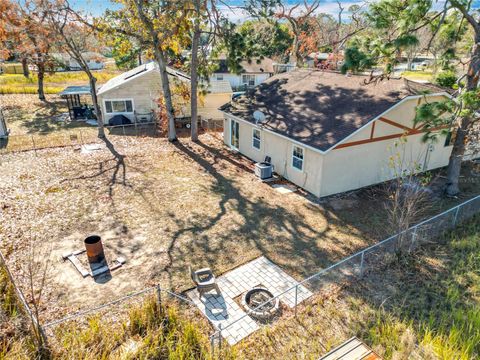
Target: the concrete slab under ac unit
(284, 188)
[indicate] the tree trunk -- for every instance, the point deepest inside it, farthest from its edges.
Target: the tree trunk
(98, 113)
(455, 163)
(194, 75)
(139, 57)
(167, 94)
(26, 71)
(41, 76)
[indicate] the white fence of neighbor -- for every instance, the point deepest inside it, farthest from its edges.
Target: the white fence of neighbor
(352, 267)
(356, 265)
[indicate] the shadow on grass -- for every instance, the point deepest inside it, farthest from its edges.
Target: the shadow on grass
(263, 227)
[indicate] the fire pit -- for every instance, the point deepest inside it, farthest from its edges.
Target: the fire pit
(94, 247)
(97, 263)
(257, 296)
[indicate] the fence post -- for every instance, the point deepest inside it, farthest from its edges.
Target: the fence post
(34, 147)
(212, 344)
(296, 299)
(414, 237)
(362, 260)
(456, 215)
(219, 338)
(159, 298)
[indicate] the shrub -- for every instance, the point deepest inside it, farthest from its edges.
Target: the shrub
(446, 79)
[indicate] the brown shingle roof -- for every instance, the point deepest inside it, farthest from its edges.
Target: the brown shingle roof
(317, 108)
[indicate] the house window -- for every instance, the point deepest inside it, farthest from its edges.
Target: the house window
(248, 80)
(297, 157)
(219, 77)
(118, 106)
(256, 141)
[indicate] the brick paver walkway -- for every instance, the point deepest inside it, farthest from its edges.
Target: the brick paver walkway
(220, 308)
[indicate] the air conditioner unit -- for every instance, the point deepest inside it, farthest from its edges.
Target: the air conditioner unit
(264, 170)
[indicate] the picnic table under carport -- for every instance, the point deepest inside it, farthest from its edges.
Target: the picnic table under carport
(78, 107)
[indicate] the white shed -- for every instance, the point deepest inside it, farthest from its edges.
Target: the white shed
(3, 125)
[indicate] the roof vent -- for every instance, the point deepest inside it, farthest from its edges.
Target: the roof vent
(258, 116)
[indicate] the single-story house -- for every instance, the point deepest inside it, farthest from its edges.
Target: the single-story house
(65, 62)
(136, 92)
(253, 73)
(329, 133)
(3, 125)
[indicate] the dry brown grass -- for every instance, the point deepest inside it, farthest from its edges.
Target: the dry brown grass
(170, 207)
(166, 207)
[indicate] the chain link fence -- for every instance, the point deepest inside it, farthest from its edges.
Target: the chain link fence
(351, 268)
(355, 266)
(80, 136)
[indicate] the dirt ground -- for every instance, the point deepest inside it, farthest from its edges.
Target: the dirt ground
(165, 207)
(26, 115)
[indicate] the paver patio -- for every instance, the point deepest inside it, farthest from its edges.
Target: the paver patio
(222, 310)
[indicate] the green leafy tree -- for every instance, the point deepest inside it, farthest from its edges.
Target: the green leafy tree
(163, 28)
(356, 60)
(269, 39)
(394, 24)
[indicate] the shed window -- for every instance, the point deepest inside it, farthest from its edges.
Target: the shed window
(297, 157)
(118, 106)
(256, 140)
(450, 138)
(219, 77)
(248, 80)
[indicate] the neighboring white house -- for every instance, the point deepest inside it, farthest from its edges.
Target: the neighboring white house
(330, 133)
(254, 73)
(3, 125)
(136, 92)
(65, 62)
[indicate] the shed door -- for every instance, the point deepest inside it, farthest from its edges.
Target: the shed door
(234, 134)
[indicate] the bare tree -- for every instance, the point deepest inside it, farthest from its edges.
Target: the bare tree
(75, 38)
(407, 198)
(36, 270)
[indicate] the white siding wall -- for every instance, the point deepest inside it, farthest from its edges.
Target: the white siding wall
(236, 80)
(280, 150)
(144, 91)
(367, 164)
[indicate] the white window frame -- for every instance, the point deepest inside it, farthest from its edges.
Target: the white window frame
(123, 112)
(254, 138)
(249, 76)
(295, 157)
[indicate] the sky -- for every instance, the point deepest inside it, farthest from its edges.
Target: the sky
(97, 7)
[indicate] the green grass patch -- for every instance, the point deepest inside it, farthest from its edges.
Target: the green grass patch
(440, 307)
(13, 89)
(54, 83)
(418, 75)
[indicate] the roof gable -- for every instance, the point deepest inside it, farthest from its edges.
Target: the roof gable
(136, 73)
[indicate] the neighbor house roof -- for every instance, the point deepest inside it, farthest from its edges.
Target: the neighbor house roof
(264, 65)
(317, 108)
(137, 72)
